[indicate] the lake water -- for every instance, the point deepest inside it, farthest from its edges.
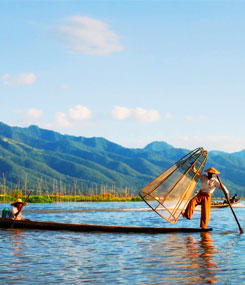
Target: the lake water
(39, 257)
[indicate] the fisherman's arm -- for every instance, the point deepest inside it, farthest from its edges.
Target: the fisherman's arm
(222, 187)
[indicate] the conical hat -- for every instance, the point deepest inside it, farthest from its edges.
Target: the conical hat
(212, 170)
(18, 201)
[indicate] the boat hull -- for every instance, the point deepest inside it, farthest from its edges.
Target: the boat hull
(219, 206)
(53, 226)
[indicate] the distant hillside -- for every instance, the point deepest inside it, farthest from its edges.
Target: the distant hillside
(36, 154)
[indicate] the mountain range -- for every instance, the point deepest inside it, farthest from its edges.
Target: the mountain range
(33, 154)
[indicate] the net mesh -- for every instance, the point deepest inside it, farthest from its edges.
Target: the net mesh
(169, 193)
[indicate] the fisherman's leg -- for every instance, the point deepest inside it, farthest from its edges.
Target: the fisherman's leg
(205, 211)
(191, 206)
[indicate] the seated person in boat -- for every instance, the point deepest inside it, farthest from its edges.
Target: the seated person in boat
(17, 209)
(234, 199)
(208, 184)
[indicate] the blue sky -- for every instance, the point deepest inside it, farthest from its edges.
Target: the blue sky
(130, 71)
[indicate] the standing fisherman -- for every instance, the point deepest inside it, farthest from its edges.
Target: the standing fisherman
(208, 184)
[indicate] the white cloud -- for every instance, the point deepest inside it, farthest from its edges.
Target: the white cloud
(73, 116)
(168, 116)
(202, 118)
(188, 118)
(79, 113)
(64, 86)
(30, 116)
(89, 36)
(26, 78)
(61, 120)
(21, 79)
(6, 79)
(196, 118)
(138, 114)
(34, 113)
(143, 115)
(120, 113)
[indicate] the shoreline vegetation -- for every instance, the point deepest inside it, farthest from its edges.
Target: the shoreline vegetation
(105, 197)
(61, 192)
(70, 193)
(73, 194)
(43, 192)
(68, 198)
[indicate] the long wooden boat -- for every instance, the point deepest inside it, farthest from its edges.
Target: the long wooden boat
(53, 226)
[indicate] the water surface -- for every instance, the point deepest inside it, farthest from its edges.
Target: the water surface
(38, 257)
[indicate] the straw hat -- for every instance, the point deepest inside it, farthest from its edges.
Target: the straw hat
(18, 201)
(212, 170)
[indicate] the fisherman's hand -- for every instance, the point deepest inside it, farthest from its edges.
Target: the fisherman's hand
(194, 169)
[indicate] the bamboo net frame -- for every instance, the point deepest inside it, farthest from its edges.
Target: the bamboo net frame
(169, 193)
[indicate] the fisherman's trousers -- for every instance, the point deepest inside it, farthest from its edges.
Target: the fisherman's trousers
(203, 199)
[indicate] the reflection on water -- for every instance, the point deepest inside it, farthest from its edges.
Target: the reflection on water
(201, 254)
(188, 258)
(16, 240)
(32, 256)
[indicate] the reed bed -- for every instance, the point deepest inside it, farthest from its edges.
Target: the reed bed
(69, 198)
(60, 192)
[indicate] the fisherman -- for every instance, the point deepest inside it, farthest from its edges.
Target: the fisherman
(16, 211)
(208, 184)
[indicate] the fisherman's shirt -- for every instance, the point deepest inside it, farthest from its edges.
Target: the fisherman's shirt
(209, 185)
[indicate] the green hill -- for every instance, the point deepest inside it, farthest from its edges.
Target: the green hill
(33, 154)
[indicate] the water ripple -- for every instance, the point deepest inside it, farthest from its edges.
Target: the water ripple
(32, 256)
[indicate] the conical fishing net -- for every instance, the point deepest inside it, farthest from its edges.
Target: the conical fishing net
(169, 193)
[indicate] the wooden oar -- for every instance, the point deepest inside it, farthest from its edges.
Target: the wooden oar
(15, 218)
(228, 200)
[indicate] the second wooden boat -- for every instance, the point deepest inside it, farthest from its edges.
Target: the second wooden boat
(223, 204)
